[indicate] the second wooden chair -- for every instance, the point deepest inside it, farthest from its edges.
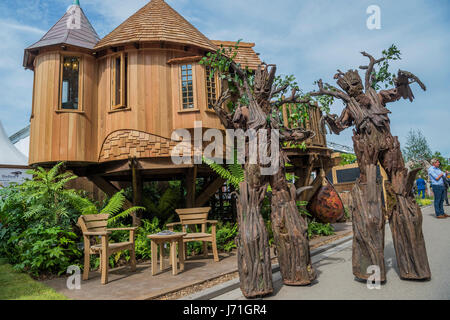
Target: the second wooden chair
(197, 216)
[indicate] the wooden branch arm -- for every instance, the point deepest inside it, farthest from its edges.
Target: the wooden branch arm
(296, 135)
(322, 92)
(212, 221)
(224, 117)
(369, 68)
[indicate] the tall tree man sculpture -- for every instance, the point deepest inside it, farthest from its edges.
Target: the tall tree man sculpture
(254, 99)
(365, 109)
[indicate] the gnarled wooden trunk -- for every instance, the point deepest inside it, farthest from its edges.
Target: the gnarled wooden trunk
(406, 227)
(255, 269)
(290, 233)
(368, 226)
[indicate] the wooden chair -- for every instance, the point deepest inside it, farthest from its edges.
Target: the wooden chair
(95, 225)
(197, 216)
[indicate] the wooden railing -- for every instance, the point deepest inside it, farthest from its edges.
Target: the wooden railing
(312, 123)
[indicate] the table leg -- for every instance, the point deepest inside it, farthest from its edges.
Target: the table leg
(173, 256)
(161, 256)
(154, 249)
(181, 254)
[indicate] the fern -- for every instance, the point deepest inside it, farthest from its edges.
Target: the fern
(115, 204)
(124, 214)
(234, 174)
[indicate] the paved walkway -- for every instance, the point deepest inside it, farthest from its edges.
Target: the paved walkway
(336, 281)
(126, 285)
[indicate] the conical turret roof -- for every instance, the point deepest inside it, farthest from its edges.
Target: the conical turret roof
(155, 22)
(73, 28)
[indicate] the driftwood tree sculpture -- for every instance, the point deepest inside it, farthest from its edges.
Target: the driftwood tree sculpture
(365, 109)
(254, 100)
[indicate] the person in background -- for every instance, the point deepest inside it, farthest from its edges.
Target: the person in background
(421, 185)
(437, 184)
(446, 185)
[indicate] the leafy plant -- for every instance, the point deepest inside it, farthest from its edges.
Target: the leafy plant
(113, 207)
(225, 235)
(41, 249)
(383, 76)
(347, 158)
(234, 174)
(319, 229)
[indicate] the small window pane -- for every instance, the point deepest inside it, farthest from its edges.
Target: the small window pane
(187, 87)
(70, 83)
(210, 87)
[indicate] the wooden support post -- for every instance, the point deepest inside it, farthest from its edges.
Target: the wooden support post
(191, 178)
(137, 185)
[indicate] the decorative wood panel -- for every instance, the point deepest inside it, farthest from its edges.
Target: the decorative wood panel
(123, 144)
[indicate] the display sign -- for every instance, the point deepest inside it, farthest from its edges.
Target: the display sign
(10, 175)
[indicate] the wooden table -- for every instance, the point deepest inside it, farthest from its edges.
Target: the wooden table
(172, 239)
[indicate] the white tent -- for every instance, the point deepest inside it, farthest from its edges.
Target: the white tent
(9, 154)
(13, 164)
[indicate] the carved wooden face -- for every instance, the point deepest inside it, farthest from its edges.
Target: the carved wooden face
(350, 82)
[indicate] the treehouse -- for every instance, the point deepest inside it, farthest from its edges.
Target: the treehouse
(108, 107)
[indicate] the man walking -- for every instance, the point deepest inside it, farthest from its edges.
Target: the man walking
(437, 184)
(421, 187)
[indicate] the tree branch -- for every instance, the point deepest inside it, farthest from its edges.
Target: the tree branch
(323, 92)
(369, 68)
(224, 116)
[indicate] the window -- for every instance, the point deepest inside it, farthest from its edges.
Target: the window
(119, 81)
(211, 87)
(187, 86)
(70, 83)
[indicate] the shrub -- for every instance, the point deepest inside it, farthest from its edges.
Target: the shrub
(44, 250)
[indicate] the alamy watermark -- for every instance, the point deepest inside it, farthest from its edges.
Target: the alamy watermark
(261, 150)
(74, 17)
(374, 20)
(74, 281)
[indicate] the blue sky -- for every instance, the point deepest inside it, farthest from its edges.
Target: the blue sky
(310, 39)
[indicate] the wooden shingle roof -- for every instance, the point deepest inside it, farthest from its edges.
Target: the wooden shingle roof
(83, 36)
(246, 56)
(155, 22)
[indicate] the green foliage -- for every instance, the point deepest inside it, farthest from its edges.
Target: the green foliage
(44, 250)
(347, 214)
(221, 63)
(423, 202)
(416, 147)
(347, 158)
(44, 200)
(383, 76)
(234, 174)
(319, 229)
(37, 222)
(225, 236)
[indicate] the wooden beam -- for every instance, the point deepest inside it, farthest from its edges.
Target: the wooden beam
(209, 191)
(108, 188)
